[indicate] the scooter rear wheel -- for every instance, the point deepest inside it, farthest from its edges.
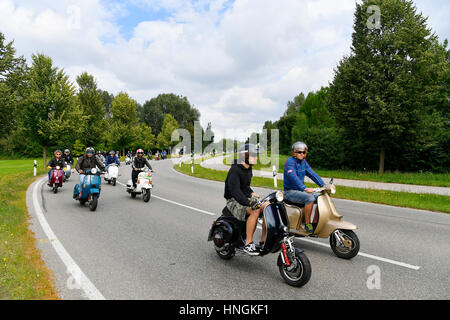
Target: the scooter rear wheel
(301, 270)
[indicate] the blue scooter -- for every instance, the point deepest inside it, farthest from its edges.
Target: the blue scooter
(91, 188)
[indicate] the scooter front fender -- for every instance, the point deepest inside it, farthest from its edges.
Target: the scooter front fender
(332, 225)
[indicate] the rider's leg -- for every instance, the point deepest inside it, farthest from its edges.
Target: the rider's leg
(308, 210)
(80, 185)
(252, 221)
(316, 215)
(134, 178)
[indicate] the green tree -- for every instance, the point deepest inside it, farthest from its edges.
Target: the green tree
(383, 89)
(145, 139)
(50, 96)
(13, 76)
(164, 139)
(90, 99)
(154, 111)
(123, 127)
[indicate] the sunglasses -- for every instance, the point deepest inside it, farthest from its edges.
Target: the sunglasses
(304, 152)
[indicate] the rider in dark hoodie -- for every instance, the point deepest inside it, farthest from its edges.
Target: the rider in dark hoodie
(242, 201)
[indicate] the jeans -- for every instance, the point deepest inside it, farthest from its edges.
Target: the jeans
(301, 197)
(134, 177)
(81, 181)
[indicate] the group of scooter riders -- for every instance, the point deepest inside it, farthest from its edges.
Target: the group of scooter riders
(241, 200)
(89, 161)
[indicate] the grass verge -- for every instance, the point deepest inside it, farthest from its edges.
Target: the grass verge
(23, 274)
(424, 179)
(430, 202)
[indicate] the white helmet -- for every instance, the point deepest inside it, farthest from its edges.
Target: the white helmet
(300, 146)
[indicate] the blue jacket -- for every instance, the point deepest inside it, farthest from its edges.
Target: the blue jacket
(110, 160)
(294, 175)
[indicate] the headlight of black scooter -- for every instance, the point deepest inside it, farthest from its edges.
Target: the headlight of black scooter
(279, 196)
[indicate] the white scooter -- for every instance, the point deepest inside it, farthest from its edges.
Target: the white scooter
(127, 160)
(67, 171)
(144, 185)
(112, 173)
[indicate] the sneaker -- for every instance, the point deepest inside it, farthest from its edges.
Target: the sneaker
(251, 249)
(309, 228)
(260, 245)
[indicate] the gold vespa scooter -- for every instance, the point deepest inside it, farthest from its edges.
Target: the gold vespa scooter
(343, 241)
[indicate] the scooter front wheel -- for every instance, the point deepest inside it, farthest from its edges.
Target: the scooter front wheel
(93, 203)
(146, 195)
(299, 271)
(114, 182)
(343, 251)
(55, 189)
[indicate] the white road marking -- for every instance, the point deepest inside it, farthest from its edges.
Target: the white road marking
(73, 269)
(370, 256)
(177, 203)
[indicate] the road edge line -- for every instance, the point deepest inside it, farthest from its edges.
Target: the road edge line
(73, 269)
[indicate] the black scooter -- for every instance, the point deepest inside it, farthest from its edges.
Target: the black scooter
(228, 235)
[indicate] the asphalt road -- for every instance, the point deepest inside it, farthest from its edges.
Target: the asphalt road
(129, 249)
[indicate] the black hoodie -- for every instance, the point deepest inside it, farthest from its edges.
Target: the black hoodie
(237, 184)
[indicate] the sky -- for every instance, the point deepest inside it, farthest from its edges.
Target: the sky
(239, 62)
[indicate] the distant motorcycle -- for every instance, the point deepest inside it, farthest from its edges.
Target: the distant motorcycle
(144, 185)
(56, 179)
(228, 235)
(112, 174)
(127, 160)
(67, 171)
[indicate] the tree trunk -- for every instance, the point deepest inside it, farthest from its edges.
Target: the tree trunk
(382, 157)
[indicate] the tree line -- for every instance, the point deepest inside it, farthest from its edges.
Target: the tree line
(42, 110)
(387, 107)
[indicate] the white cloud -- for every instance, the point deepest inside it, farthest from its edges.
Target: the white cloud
(237, 62)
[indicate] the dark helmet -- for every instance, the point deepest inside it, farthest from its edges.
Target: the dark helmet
(247, 150)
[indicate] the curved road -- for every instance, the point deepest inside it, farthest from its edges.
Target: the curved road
(129, 249)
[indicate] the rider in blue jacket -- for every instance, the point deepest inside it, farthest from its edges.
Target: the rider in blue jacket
(295, 170)
(111, 158)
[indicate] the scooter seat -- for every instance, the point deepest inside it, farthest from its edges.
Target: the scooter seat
(301, 205)
(226, 212)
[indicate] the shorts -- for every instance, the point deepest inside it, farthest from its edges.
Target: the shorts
(238, 210)
(301, 197)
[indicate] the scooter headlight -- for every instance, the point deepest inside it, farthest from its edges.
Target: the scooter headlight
(94, 171)
(58, 167)
(333, 189)
(280, 196)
